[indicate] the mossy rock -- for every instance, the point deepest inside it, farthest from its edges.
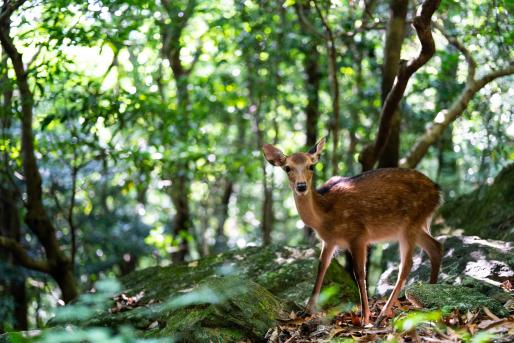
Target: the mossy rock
(468, 261)
(439, 296)
(287, 272)
(488, 211)
(227, 297)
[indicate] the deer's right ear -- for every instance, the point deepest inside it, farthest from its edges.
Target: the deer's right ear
(273, 155)
(315, 151)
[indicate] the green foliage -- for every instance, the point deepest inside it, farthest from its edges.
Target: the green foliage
(414, 319)
(85, 308)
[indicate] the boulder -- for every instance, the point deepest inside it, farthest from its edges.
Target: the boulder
(481, 264)
(449, 297)
(488, 211)
(227, 297)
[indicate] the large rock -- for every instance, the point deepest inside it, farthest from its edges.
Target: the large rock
(468, 261)
(227, 297)
(487, 212)
(224, 309)
(440, 296)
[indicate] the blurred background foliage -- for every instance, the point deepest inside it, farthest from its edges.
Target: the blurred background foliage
(148, 119)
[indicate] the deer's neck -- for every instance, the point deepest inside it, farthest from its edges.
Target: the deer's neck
(308, 208)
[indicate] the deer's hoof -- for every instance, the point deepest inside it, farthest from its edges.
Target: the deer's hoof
(304, 313)
(365, 322)
(379, 321)
(309, 309)
(383, 315)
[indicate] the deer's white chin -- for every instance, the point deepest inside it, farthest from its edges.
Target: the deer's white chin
(301, 194)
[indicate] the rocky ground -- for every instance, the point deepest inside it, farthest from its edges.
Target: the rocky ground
(255, 294)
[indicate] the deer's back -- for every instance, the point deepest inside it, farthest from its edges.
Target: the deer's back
(384, 198)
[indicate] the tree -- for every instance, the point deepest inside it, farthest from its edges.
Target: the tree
(422, 24)
(445, 117)
(392, 51)
(57, 264)
(179, 14)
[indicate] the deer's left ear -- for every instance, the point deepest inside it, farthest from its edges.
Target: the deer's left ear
(274, 155)
(315, 151)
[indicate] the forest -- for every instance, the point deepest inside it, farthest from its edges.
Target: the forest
(137, 203)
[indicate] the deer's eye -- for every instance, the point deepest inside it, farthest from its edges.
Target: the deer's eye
(287, 169)
(311, 167)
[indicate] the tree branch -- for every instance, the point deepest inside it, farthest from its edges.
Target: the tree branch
(305, 23)
(21, 256)
(8, 8)
(422, 24)
(34, 57)
(196, 56)
(444, 118)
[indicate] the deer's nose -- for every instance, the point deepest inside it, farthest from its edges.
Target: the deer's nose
(301, 186)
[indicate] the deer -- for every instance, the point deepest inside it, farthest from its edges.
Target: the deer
(389, 204)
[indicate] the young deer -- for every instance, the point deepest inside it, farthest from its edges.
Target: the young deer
(352, 212)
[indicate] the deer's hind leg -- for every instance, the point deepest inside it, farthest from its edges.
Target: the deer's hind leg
(407, 245)
(434, 249)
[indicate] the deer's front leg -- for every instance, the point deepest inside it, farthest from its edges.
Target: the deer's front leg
(327, 253)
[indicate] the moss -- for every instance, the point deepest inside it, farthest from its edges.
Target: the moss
(227, 297)
(488, 211)
(437, 296)
(287, 272)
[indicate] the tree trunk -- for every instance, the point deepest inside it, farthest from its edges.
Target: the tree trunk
(392, 51)
(446, 88)
(171, 49)
(64, 277)
(221, 239)
(312, 86)
(36, 217)
(19, 294)
(267, 216)
(422, 22)
(182, 224)
(128, 263)
(10, 227)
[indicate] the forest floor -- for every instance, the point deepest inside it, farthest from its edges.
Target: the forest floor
(410, 325)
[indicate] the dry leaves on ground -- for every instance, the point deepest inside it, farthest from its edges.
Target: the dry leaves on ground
(409, 325)
(124, 302)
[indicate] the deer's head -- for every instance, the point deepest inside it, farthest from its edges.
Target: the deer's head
(298, 166)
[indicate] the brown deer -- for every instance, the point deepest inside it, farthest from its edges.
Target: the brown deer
(390, 204)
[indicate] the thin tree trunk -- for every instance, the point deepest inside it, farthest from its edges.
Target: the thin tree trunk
(180, 190)
(392, 51)
(221, 239)
(10, 227)
(422, 24)
(57, 264)
(334, 87)
(182, 222)
(312, 86)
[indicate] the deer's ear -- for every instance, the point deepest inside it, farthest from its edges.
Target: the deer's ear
(315, 151)
(273, 155)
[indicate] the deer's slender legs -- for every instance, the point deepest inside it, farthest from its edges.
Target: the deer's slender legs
(406, 249)
(434, 249)
(327, 252)
(359, 252)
